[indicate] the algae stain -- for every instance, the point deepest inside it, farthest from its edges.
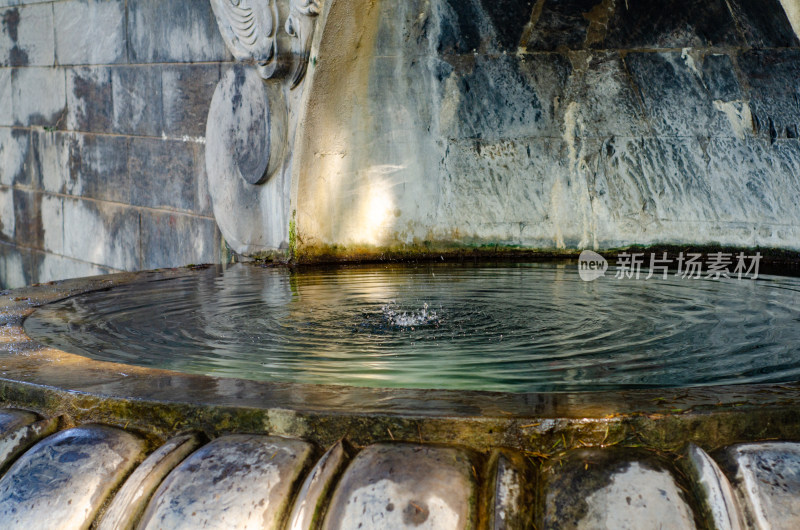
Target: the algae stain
(293, 235)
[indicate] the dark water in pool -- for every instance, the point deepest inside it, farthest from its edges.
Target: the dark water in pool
(514, 328)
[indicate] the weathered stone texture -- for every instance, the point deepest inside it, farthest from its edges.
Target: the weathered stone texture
(78, 85)
(405, 486)
(237, 481)
(154, 35)
(767, 479)
(63, 480)
(98, 167)
(131, 500)
(187, 92)
(596, 489)
(14, 145)
(718, 498)
(554, 124)
(137, 100)
(90, 105)
(172, 239)
(6, 107)
(38, 96)
(90, 31)
(162, 173)
(26, 36)
(99, 232)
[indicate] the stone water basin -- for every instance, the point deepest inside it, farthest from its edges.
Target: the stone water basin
(129, 419)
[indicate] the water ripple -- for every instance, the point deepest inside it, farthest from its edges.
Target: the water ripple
(517, 328)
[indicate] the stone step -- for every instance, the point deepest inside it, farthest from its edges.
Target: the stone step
(236, 481)
(64, 480)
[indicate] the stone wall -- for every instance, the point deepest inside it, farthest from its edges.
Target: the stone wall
(420, 125)
(103, 109)
(550, 124)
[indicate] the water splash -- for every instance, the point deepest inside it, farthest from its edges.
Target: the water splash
(412, 319)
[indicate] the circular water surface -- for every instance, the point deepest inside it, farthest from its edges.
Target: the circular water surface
(511, 328)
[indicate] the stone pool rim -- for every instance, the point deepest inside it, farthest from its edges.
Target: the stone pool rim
(41, 378)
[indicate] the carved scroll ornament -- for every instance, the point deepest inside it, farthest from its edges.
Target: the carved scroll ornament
(250, 29)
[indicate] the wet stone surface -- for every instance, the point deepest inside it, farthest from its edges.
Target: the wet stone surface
(63, 480)
(767, 479)
(16, 438)
(310, 502)
(131, 500)
(721, 507)
(406, 486)
(237, 481)
(512, 491)
(611, 489)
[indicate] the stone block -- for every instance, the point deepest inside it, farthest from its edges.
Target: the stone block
(162, 173)
(26, 36)
(505, 97)
(90, 32)
(39, 96)
(718, 498)
(15, 266)
(50, 267)
(236, 481)
(187, 92)
(599, 102)
(646, 181)
(173, 31)
(754, 180)
(669, 24)
(7, 217)
(720, 78)
(49, 158)
(604, 489)
(63, 481)
(675, 98)
(6, 108)
(114, 230)
(137, 99)
(131, 500)
(764, 23)
(774, 91)
(309, 506)
(28, 228)
(90, 103)
(14, 147)
(203, 205)
(175, 240)
(561, 23)
(11, 420)
(512, 491)
(98, 167)
(405, 486)
(52, 218)
(767, 478)
(18, 436)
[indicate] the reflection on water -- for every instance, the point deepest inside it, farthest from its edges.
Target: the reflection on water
(515, 328)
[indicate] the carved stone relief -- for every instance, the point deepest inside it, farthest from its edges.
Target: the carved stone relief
(247, 143)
